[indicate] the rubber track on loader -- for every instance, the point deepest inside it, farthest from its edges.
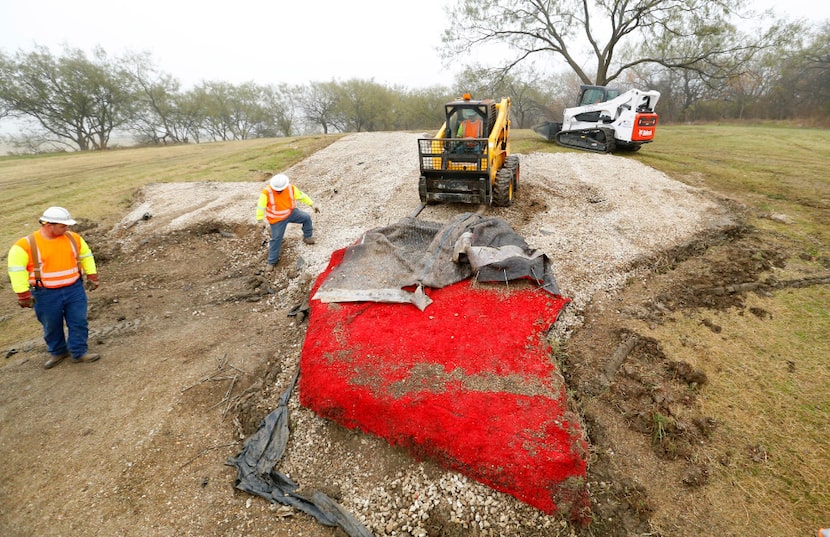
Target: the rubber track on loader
(597, 140)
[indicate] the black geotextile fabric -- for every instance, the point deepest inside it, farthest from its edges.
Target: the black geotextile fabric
(257, 473)
(415, 253)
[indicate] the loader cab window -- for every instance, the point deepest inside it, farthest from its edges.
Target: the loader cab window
(466, 122)
(597, 94)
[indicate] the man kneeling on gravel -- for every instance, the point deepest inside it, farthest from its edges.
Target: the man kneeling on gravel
(278, 205)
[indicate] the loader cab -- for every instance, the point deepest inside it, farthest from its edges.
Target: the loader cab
(466, 118)
(596, 94)
(466, 122)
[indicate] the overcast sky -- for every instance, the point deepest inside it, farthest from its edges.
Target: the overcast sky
(266, 41)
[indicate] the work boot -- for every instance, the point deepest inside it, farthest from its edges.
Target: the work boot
(309, 240)
(55, 360)
(86, 358)
(269, 268)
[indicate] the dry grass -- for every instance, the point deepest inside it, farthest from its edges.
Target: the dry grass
(768, 378)
(769, 372)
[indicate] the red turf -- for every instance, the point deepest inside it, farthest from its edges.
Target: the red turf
(468, 383)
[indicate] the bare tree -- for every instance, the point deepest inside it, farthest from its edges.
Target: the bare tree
(364, 105)
(531, 94)
(6, 71)
(281, 104)
(228, 110)
(156, 120)
(422, 108)
(816, 71)
(191, 113)
(77, 100)
(614, 35)
(318, 102)
(248, 114)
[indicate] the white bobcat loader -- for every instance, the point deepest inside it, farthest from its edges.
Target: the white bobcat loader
(605, 120)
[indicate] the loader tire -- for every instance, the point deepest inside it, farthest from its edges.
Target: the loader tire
(512, 162)
(503, 188)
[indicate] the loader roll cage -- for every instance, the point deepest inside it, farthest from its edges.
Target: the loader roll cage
(455, 115)
(465, 161)
(450, 174)
(448, 154)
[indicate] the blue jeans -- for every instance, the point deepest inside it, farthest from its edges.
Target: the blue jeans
(278, 232)
(67, 304)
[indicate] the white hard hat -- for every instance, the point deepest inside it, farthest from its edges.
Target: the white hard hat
(279, 181)
(57, 215)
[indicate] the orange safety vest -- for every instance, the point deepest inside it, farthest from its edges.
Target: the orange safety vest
(280, 204)
(58, 259)
(472, 128)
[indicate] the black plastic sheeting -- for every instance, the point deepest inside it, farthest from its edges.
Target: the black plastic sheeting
(419, 253)
(257, 474)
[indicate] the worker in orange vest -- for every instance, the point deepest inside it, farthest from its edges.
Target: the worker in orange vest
(46, 270)
(471, 125)
(277, 204)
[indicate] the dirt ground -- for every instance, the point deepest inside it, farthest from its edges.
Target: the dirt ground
(197, 345)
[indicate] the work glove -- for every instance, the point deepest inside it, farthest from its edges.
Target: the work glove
(91, 282)
(316, 209)
(25, 299)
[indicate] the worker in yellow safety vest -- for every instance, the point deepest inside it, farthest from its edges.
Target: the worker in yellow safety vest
(46, 270)
(277, 204)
